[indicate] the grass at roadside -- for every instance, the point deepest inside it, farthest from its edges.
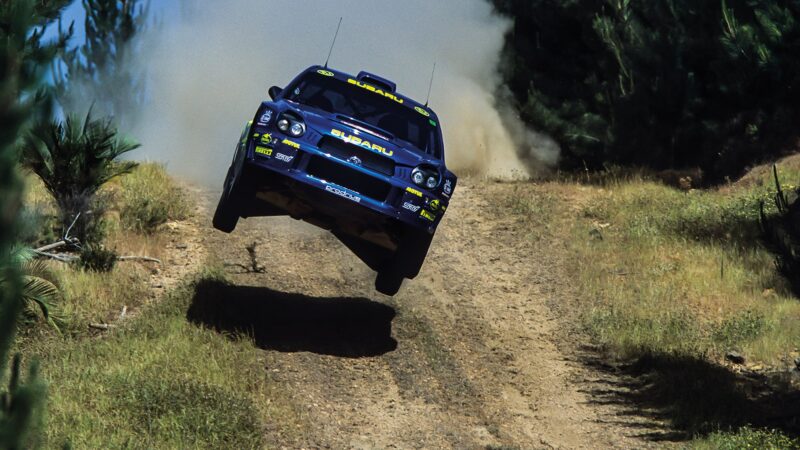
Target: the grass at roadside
(158, 382)
(670, 282)
(664, 271)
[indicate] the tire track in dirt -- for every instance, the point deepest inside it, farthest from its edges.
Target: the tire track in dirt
(468, 355)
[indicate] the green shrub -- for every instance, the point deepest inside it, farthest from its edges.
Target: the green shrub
(748, 438)
(149, 198)
(97, 258)
(738, 329)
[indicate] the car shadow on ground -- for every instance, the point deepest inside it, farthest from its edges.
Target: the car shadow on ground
(683, 397)
(337, 326)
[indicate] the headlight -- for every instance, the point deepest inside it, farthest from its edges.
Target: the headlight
(432, 182)
(418, 177)
(426, 177)
(297, 129)
(292, 124)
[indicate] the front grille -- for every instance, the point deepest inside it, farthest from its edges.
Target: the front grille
(366, 185)
(345, 151)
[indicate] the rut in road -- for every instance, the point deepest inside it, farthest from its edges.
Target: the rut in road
(468, 355)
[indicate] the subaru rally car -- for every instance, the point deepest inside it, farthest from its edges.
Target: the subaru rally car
(348, 154)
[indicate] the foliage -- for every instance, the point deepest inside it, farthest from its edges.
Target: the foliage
(22, 54)
(748, 438)
(97, 258)
(663, 83)
(149, 198)
(101, 70)
(74, 159)
(40, 289)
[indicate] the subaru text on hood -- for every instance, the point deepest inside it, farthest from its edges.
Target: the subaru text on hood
(350, 155)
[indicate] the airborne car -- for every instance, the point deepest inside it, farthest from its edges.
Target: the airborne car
(350, 155)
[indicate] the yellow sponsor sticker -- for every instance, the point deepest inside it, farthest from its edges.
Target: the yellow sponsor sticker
(266, 138)
(411, 190)
(428, 215)
(355, 140)
(290, 143)
(422, 111)
(327, 73)
(378, 91)
(263, 150)
(434, 205)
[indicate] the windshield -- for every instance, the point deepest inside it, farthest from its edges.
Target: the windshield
(338, 97)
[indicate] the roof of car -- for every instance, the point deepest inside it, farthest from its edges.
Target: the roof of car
(377, 82)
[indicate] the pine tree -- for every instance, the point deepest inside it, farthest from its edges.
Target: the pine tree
(661, 83)
(22, 54)
(101, 72)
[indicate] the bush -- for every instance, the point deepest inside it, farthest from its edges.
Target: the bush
(747, 438)
(97, 258)
(149, 198)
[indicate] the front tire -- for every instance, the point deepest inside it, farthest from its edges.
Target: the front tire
(388, 282)
(227, 214)
(406, 262)
(229, 208)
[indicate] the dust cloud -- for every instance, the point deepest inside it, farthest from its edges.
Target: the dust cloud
(211, 68)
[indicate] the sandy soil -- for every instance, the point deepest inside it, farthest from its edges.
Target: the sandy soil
(474, 353)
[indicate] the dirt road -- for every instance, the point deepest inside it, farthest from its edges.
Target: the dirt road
(471, 354)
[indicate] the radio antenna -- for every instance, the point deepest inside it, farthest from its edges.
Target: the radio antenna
(430, 85)
(333, 43)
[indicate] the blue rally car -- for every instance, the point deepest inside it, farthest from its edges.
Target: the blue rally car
(351, 155)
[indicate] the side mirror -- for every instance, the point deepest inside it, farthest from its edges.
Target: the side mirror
(274, 92)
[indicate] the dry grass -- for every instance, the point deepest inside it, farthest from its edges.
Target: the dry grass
(681, 273)
(148, 198)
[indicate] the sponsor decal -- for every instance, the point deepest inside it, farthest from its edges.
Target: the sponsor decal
(342, 193)
(410, 207)
(290, 143)
(263, 150)
(372, 88)
(411, 190)
(266, 138)
(448, 187)
(428, 215)
(265, 118)
(355, 140)
(284, 158)
(434, 205)
(422, 111)
(354, 160)
(327, 73)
